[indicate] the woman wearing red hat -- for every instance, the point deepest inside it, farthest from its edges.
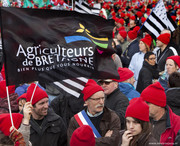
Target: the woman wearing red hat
(138, 127)
(138, 58)
(172, 65)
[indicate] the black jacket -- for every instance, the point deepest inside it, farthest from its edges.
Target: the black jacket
(118, 102)
(52, 131)
(129, 52)
(146, 75)
(173, 99)
(162, 56)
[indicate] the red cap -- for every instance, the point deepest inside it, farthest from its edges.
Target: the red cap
(143, 19)
(154, 94)
(147, 40)
(122, 15)
(5, 122)
(139, 14)
(132, 34)
(121, 21)
(123, 33)
(83, 136)
(3, 92)
(138, 109)
(38, 94)
(164, 38)
(90, 88)
(132, 17)
(23, 96)
(176, 59)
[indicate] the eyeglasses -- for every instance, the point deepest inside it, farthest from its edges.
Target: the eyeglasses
(104, 82)
(152, 58)
(98, 99)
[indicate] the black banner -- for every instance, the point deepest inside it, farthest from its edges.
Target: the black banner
(52, 45)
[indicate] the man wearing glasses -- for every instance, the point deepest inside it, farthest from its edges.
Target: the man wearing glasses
(104, 122)
(115, 99)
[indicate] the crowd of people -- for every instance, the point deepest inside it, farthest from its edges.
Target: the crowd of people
(142, 108)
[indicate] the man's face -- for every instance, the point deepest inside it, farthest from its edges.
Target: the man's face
(40, 109)
(109, 86)
(153, 110)
(95, 103)
(132, 24)
(119, 37)
(132, 80)
(159, 43)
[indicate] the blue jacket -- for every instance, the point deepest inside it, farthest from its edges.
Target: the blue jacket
(128, 90)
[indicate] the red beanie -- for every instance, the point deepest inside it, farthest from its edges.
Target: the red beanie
(23, 96)
(143, 19)
(90, 88)
(38, 94)
(83, 136)
(139, 14)
(122, 15)
(164, 38)
(176, 59)
(124, 74)
(121, 28)
(132, 34)
(121, 21)
(3, 92)
(138, 109)
(5, 122)
(123, 33)
(132, 17)
(154, 94)
(147, 40)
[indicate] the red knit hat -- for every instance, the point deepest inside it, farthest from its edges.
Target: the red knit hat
(132, 17)
(154, 94)
(138, 109)
(123, 33)
(147, 40)
(3, 92)
(164, 38)
(139, 14)
(121, 28)
(5, 122)
(83, 136)
(124, 74)
(132, 34)
(38, 94)
(143, 19)
(90, 88)
(121, 21)
(176, 59)
(23, 96)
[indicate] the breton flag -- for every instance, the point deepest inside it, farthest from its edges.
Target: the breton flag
(83, 7)
(159, 20)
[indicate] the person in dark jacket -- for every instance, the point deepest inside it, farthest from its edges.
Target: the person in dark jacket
(47, 128)
(165, 123)
(148, 72)
(115, 99)
(132, 48)
(164, 50)
(104, 122)
(173, 93)
(138, 127)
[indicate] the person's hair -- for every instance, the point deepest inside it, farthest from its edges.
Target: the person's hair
(174, 80)
(142, 137)
(149, 53)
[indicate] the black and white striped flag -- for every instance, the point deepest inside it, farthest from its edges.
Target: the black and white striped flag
(159, 20)
(83, 7)
(72, 86)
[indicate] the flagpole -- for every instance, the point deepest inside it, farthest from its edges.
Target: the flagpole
(10, 113)
(72, 5)
(33, 92)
